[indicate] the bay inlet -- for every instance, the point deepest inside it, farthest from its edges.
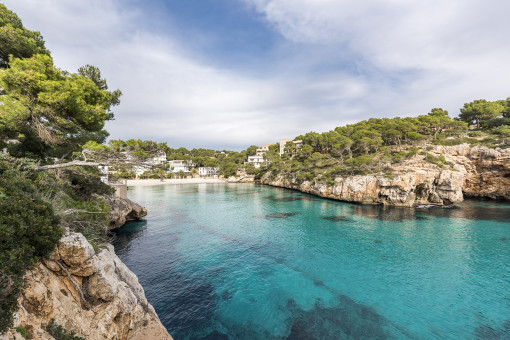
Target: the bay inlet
(245, 261)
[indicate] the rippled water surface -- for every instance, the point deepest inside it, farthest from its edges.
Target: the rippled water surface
(243, 261)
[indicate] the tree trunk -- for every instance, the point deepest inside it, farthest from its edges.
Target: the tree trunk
(65, 165)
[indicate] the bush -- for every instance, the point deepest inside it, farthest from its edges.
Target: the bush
(23, 332)
(59, 332)
(475, 134)
(29, 231)
(304, 176)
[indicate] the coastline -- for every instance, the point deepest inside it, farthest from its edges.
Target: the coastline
(153, 182)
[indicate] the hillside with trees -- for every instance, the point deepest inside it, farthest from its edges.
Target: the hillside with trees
(371, 146)
(124, 156)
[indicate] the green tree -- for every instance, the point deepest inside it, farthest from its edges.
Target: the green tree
(506, 111)
(480, 110)
(252, 150)
(50, 109)
(16, 40)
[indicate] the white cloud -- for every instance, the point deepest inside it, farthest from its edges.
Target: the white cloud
(167, 94)
(457, 49)
(344, 61)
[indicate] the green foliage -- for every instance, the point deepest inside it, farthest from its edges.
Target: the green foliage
(479, 111)
(250, 169)
(60, 333)
(16, 40)
(456, 141)
(23, 332)
(439, 161)
(53, 110)
(229, 168)
(252, 150)
(495, 122)
(503, 130)
(29, 230)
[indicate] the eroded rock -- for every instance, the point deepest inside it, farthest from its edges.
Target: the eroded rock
(117, 307)
(478, 172)
(123, 210)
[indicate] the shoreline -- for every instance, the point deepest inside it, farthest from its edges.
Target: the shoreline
(154, 182)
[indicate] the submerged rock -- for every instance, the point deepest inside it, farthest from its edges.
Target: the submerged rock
(97, 298)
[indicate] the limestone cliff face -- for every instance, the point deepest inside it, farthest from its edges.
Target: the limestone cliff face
(91, 293)
(486, 171)
(402, 189)
(241, 179)
(474, 172)
(123, 210)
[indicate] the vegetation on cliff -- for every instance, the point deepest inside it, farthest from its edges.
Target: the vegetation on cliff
(49, 113)
(374, 145)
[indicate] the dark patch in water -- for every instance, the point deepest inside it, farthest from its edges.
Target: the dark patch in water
(217, 270)
(486, 332)
(226, 295)
(318, 283)
(284, 199)
(281, 215)
(377, 241)
(187, 305)
(504, 239)
(279, 260)
(346, 320)
(339, 218)
(215, 335)
(473, 210)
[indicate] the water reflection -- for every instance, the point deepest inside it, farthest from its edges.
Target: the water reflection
(466, 210)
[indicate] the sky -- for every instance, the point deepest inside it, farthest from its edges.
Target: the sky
(226, 74)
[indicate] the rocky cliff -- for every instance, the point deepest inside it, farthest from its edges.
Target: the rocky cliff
(123, 210)
(472, 171)
(89, 292)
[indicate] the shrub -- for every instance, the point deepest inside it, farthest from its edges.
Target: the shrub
(59, 332)
(23, 332)
(29, 231)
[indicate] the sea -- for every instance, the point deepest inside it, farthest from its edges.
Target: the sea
(248, 261)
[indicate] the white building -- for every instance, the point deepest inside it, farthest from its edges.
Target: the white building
(207, 171)
(180, 165)
(255, 160)
(261, 150)
(297, 143)
(103, 169)
(158, 159)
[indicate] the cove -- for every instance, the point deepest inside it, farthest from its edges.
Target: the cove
(245, 261)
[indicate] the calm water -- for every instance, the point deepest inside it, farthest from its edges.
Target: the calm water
(243, 261)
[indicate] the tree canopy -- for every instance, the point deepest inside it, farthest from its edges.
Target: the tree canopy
(52, 111)
(16, 40)
(481, 110)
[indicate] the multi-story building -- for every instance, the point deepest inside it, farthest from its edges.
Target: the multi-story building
(261, 150)
(207, 171)
(297, 145)
(180, 165)
(255, 160)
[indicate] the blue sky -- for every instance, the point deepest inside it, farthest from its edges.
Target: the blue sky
(226, 74)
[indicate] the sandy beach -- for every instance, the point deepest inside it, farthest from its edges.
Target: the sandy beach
(152, 182)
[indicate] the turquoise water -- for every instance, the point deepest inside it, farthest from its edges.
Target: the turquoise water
(244, 261)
